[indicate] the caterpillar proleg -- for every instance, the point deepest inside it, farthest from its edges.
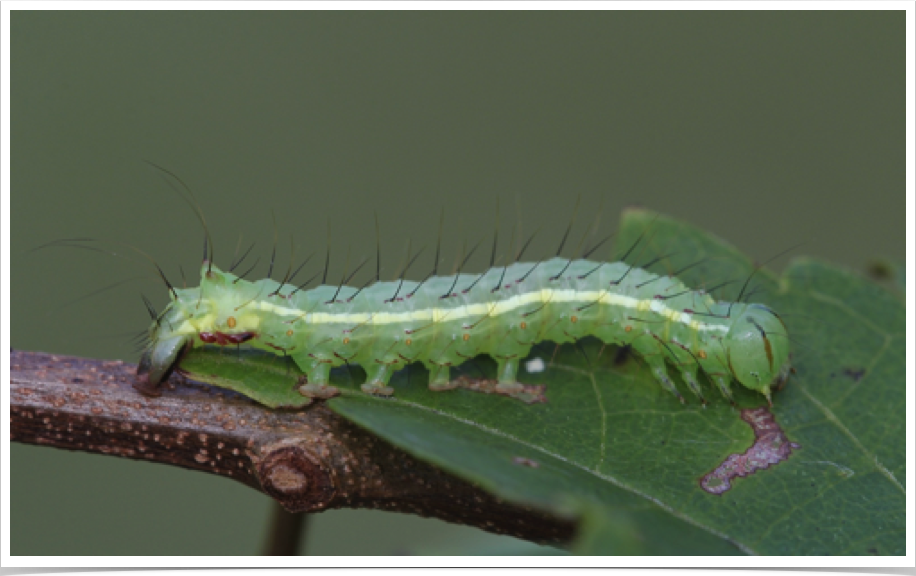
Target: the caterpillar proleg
(446, 320)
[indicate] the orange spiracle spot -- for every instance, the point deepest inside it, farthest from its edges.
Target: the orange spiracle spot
(628, 329)
(573, 319)
(408, 342)
(701, 354)
(346, 340)
(230, 322)
(289, 332)
(523, 325)
(466, 337)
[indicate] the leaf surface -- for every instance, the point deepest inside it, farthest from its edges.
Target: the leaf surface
(612, 447)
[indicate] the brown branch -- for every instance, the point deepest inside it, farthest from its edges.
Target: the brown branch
(308, 460)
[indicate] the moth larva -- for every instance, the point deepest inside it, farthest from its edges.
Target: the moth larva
(446, 320)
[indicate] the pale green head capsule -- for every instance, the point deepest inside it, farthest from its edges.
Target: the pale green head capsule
(166, 345)
(157, 363)
(757, 349)
(191, 318)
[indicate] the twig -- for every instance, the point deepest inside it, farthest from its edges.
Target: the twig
(308, 460)
(286, 532)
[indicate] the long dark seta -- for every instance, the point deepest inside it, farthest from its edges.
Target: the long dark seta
(378, 251)
(304, 284)
(675, 273)
(342, 278)
(419, 285)
(562, 270)
(502, 275)
(528, 273)
(166, 280)
(670, 296)
(474, 283)
(592, 250)
(439, 243)
(190, 200)
(361, 288)
(236, 263)
(96, 292)
(565, 237)
(521, 252)
(495, 236)
(80, 243)
(292, 276)
(247, 272)
(757, 269)
(138, 337)
(720, 285)
(149, 308)
(404, 272)
(460, 267)
(436, 261)
(327, 260)
(317, 346)
(292, 258)
(63, 242)
(273, 251)
(347, 281)
(289, 269)
(527, 243)
(492, 252)
(627, 255)
(300, 267)
(76, 243)
(569, 228)
(235, 254)
(656, 260)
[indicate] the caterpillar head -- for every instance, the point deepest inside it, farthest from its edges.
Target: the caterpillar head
(165, 348)
(757, 349)
(205, 314)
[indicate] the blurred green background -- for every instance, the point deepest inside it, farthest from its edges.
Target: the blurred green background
(766, 128)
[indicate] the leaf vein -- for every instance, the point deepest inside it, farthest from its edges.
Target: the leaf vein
(850, 311)
(836, 421)
(616, 482)
(602, 449)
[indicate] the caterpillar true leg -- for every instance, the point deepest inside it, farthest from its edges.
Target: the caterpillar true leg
(654, 356)
(689, 375)
(618, 303)
(722, 382)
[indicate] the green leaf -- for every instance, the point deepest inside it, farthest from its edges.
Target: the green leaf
(265, 378)
(614, 449)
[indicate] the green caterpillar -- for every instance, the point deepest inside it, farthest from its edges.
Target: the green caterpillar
(446, 320)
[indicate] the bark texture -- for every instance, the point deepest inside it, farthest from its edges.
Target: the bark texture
(308, 460)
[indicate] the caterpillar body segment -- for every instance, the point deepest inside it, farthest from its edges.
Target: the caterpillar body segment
(447, 320)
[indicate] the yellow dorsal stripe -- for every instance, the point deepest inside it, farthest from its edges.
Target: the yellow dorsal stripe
(543, 296)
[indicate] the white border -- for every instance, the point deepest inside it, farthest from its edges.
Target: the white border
(533, 562)
(671, 5)
(5, 63)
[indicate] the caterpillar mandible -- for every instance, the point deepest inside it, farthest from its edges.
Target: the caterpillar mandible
(446, 320)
